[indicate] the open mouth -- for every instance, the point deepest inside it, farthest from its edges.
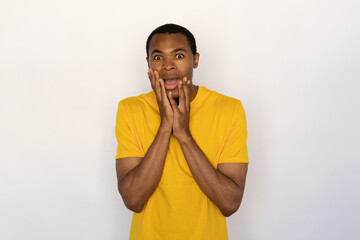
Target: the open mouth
(171, 84)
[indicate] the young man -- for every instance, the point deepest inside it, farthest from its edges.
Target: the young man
(181, 159)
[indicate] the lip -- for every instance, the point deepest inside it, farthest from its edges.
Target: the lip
(171, 81)
(170, 76)
(171, 84)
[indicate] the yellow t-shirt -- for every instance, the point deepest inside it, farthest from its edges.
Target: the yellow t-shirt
(178, 209)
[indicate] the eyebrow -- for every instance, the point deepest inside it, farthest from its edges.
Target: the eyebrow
(173, 51)
(156, 51)
(178, 50)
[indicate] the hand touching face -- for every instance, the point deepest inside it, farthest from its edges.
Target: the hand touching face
(174, 117)
(170, 55)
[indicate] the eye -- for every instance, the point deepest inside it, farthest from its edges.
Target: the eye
(157, 58)
(179, 56)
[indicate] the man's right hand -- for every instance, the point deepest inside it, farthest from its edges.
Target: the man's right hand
(138, 177)
(166, 112)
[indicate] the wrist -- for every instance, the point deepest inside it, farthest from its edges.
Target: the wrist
(184, 138)
(165, 128)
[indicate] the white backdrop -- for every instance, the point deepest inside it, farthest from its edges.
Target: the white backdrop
(64, 65)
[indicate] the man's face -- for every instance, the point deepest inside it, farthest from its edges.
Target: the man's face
(170, 55)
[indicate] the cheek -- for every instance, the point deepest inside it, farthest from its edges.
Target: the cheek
(189, 74)
(155, 66)
(185, 69)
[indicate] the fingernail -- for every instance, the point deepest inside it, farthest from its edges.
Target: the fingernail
(188, 82)
(170, 93)
(180, 82)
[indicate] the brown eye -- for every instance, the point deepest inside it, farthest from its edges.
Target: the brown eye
(157, 58)
(179, 56)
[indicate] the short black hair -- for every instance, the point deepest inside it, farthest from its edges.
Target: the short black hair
(171, 28)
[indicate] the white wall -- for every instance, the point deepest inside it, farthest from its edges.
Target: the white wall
(64, 65)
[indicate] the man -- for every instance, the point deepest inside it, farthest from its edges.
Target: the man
(182, 159)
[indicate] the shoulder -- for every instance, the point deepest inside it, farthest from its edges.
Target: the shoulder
(136, 103)
(221, 101)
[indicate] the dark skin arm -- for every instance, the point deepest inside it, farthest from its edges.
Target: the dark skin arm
(224, 185)
(139, 177)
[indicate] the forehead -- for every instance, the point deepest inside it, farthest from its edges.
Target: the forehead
(165, 41)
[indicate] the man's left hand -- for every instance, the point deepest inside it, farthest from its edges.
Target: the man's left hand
(182, 111)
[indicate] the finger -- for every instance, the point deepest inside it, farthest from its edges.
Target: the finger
(157, 84)
(181, 95)
(162, 90)
(173, 103)
(187, 93)
(150, 76)
(154, 77)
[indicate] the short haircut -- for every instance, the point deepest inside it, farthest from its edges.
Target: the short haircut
(173, 29)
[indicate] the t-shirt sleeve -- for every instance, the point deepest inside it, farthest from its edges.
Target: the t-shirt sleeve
(235, 149)
(124, 132)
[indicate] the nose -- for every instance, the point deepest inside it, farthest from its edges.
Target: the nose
(168, 64)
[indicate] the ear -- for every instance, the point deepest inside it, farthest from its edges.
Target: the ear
(196, 60)
(147, 59)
